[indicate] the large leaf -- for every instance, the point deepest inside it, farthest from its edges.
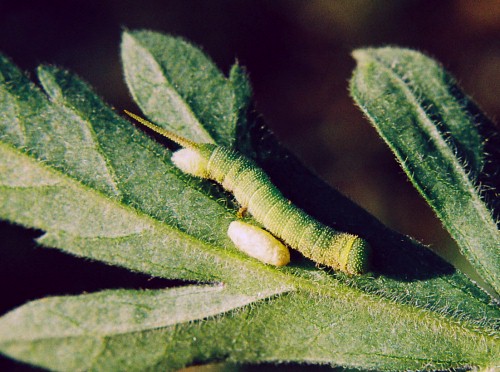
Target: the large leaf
(431, 128)
(133, 330)
(103, 190)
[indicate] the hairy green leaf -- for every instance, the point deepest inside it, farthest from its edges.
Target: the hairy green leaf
(83, 327)
(154, 330)
(430, 126)
(101, 189)
(191, 98)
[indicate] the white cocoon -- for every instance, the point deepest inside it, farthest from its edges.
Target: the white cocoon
(258, 243)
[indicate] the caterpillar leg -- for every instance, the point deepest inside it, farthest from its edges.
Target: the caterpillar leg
(258, 243)
(241, 212)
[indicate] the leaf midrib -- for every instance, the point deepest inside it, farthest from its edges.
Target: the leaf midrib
(431, 129)
(410, 311)
(434, 135)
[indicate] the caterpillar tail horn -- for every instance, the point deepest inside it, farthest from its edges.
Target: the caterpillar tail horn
(184, 142)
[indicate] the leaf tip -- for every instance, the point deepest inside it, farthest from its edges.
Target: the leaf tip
(360, 54)
(127, 38)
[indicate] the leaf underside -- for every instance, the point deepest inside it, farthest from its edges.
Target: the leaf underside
(101, 189)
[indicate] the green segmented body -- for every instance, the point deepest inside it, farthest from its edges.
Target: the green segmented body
(254, 190)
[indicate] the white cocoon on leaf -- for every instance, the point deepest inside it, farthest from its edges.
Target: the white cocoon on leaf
(258, 243)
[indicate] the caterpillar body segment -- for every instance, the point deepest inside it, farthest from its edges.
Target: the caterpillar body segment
(191, 162)
(254, 191)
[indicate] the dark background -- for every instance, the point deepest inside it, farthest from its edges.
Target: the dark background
(298, 57)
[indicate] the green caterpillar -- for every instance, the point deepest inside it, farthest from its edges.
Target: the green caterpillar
(254, 191)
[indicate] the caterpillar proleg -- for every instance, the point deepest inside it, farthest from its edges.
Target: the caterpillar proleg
(253, 189)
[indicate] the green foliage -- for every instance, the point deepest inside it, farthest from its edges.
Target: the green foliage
(103, 190)
(194, 99)
(431, 128)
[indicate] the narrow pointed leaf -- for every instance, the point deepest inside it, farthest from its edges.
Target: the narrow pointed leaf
(154, 330)
(192, 98)
(81, 328)
(428, 124)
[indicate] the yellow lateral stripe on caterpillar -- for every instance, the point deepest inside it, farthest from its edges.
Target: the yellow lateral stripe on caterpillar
(254, 190)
